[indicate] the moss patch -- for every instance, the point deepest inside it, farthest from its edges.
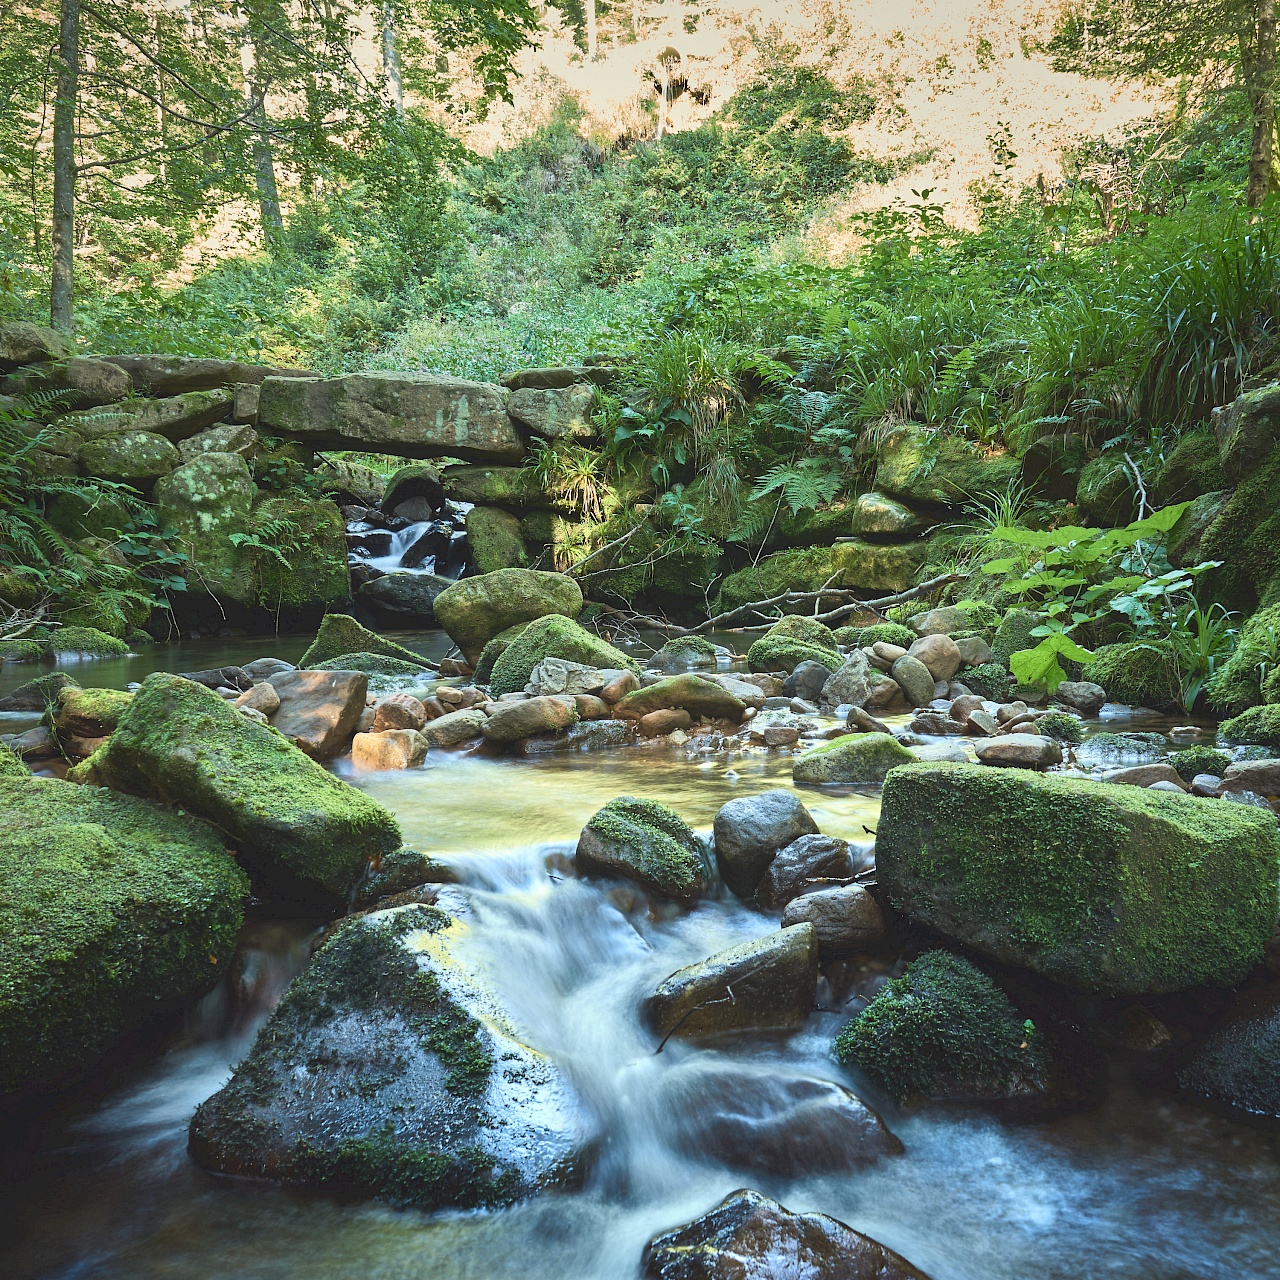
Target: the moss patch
(553, 636)
(1140, 673)
(1194, 760)
(87, 640)
(341, 634)
(21, 650)
(935, 467)
(1061, 727)
(492, 651)
(1258, 726)
(316, 552)
(1013, 635)
(648, 843)
(877, 633)
(111, 910)
(1235, 684)
(860, 759)
(990, 680)
(1099, 886)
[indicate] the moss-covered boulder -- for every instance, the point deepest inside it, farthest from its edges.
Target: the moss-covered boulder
(1107, 493)
(515, 488)
(12, 765)
(919, 465)
(391, 1070)
(474, 610)
(1236, 685)
(945, 1031)
(1258, 726)
(1103, 887)
(858, 759)
(644, 841)
(806, 569)
(1184, 541)
(87, 640)
(876, 515)
(876, 633)
(372, 664)
(305, 833)
(1141, 673)
(315, 548)
(38, 694)
(22, 650)
(1014, 635)
(1238, 1067)
(689, 692)
(1249, 432)
(1193, 760)
(89, 713)
(89, 514)
(492, 651)
(494, 536)
(553, 636)
(133, 457)
(792, 640)
(401, 871)
(417, 480)
(205, 502)
(341, 634)
(112, 909)
(1191, 469)
(1051, 465)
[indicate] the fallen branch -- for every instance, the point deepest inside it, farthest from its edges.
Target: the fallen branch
(744, 614)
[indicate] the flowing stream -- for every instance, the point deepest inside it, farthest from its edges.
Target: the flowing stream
(1147, 1188)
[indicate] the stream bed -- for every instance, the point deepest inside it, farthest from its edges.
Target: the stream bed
(1146, 1188)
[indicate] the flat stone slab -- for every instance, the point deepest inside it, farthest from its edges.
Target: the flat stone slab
(408, 415)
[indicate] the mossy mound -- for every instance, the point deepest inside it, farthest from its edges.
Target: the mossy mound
(1191, 469)
(1236, 684)
(553, 636)
(859, 759)
(1193, 760)
(1061, 727)
(1106, 491)
(391, 1070)
(644, 841)
(689, 646)
(877, 633)
(317, 554)
(89, 713)
(474, 610)
(494, 537)
(12, 764)
(1098, 886)
(21, 650)
(372, 664)
(943, 1030)
(341, 634)
(1141, 673)
(305, 832)
(990, 680)
(791, 641)
(492, 651)
(1259, 726)
(1245, 536)
(87, 640)
(936, 467)
(112, 909)
(807, 569)
(1013, 635)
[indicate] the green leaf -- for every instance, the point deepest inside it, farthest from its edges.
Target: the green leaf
(1041, 666)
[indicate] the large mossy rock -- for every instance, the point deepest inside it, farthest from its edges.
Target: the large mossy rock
(1245, 536)
(856, 759)
(791, 641)
(1249, 432)
(553, 636)
(306, 833)
(749, 1237)
(112, 909)
(945, 1031)
(133, 457)
(1102, 887)
(206, 501)
(494, 536)
(176, 418)
(1107, 492)
(513, 488)
(1191, 470)
(474, 610)
(408, 415)
(340, 633)
(317, 555)
(693, 693)
(933, 467)
(1140, 673)
(390, 1070)
(1258, 727)
(645, 842)
(555, 413)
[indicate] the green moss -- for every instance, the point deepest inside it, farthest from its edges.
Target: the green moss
(1013, 635)
(936, 467)
(652, 845)
(21, 650)
(808, 569)
(1103, 887)
(1193, 760)
(1258, 725)
(90, 713)
(306, 832)
(990, 680)
(694, 646)
(943, 1029)
(877, 633)
(474, 610)
(1191, 469)
(1106, 491)
(112, 909)
(1141, 673)
(983, 618)
(1245, 536)
(399, 871)
(791, 641)
(315, 548)
(1235, 685)
(372, 664)
(494, 650)
(17, 590)
(554, 636)
(1061, 727)
(12, 764)
(341, 634)
(861, 759)
(494, 537)
(87, 640)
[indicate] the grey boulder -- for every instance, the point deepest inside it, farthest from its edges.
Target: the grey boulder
(750, 830)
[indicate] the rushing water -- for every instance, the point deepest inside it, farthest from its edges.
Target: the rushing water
(1147, 1188)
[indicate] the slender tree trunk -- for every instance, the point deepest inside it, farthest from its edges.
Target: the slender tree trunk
(264, 169)
(1260, 76)
(62, 284)
(592, 34)
(391, 57)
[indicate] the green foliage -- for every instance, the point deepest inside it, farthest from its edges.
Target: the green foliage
(1061, 726)
(1237, 683)
(1193, 760)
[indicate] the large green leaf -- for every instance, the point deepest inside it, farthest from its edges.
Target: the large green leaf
(1041, 666)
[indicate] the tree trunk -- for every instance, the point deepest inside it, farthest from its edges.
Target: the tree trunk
(264, 169)
(391, 58)
(62, 282)
(1260, 77)
(592, 36)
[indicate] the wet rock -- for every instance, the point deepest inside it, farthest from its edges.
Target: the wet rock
(1239, 1065)
(307, 834)
(405, 599)
(390, 1069)
(851, 685)
(599, 735)
(1205, 784)
(388, 749)
(1019, 751)
(591, 708)
(749, 1237)
(319, 709)
(1146, 775)
(474, 610)
(658, 724)
(859, 719)
(746, 691)
(509, 721)
(645, 842)
(34, 744)
(804, 866)
(553, 637)
(1097, 887)
(692, 693)
(781, 735)
(773, 981)
(914, 679)
(455, 727)
(802, 707)
(983, 723)
(89, 713)
(399, 872)
(38, 694)
(262, 698)
(623, 683)
(261, 668)
(1138, 1029)
(1082, 695)
(939, 654)
(763, 1120)
(559, 675)
(398, 711)
(806, 681)
(845, 918)
(859, 759)
(1259, 776)
(220, 677)
(750, 830)
(114, 909)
